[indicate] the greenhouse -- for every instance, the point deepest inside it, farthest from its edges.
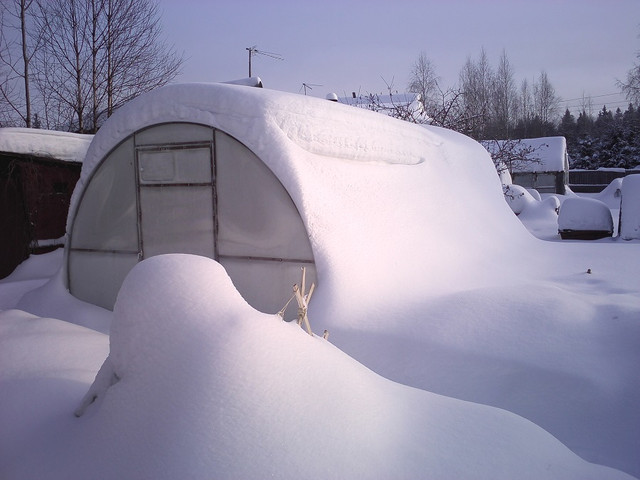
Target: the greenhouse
(182, 187)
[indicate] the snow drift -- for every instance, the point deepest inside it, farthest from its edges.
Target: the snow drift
(197, 384)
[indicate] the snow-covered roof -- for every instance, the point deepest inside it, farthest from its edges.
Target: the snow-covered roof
(550, 151)
(63, 146)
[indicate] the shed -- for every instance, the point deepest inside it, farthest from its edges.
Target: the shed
(38, 172)
(548, 170)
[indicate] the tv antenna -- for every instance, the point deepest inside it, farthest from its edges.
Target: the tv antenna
(254, 51)
(308, 86)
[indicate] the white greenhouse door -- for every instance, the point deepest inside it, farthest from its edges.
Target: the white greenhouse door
(176, 200)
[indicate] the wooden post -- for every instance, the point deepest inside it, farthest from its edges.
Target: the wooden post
(303, 302)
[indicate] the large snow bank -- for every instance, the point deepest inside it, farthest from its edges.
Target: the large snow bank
(65, 146)
(199, 385)
(630, 208)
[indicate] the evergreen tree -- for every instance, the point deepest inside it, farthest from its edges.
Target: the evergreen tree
(604, 123)
(584, 125)
(568, 128)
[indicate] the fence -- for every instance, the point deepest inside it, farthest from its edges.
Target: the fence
(594, 181)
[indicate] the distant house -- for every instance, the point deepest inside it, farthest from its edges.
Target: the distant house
(38, 172)
(546, 167)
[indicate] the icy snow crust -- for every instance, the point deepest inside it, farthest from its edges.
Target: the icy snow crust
(426, 277)
(69, 147)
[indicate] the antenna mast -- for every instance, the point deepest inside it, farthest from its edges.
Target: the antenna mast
(308, 86)
(254, 51)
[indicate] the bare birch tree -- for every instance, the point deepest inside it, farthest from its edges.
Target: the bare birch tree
(96, 55)
(525, 103)
(17, 47)
(424, 81)
(504, 98)
(476, 79)
(631, 86)
(545, 100)
(141, 61)
(63, 61)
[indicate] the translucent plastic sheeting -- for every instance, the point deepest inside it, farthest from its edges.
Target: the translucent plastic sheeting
(183, 188)
(174, 132)
(177, 219)
(95, 277)
(267, 286)
(175, 165)
(256, 216)
(107, 217)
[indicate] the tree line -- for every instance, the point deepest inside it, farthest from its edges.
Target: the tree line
(69, 64)
(611, 140)
(489, 104)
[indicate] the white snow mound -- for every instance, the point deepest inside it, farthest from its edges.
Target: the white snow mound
(577, 213)
(200, 385)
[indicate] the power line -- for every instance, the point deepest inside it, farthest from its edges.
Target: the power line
(617, 102)
(587, 97)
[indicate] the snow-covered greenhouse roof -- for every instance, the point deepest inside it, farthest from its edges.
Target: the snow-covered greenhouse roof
(276, 126)
(63, 146)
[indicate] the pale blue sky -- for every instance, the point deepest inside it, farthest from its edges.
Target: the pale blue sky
(357, 45)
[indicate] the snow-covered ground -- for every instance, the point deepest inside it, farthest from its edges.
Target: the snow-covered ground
(197, 384)
(500, 356)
